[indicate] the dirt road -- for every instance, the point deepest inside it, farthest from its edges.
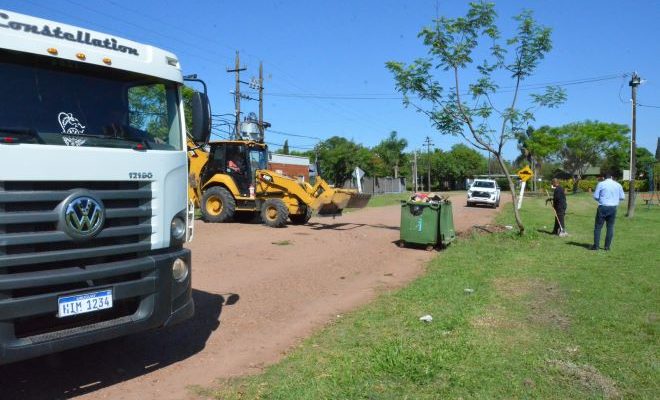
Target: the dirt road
(258, 292)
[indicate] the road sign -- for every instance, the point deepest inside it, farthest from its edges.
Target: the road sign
(358, 173)
(525, 173)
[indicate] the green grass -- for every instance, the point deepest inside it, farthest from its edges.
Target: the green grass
(282, 243)
(390, 199)
(547, 319)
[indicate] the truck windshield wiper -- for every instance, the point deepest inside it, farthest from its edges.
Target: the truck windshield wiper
(140, 141)
(13, 134)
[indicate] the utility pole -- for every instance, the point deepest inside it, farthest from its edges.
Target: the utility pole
(489, 164)
(261, 99)
(428, 143)
(237, 96)
(414, 171)
(635, 81)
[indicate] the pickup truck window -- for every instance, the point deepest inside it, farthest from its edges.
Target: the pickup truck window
(484, 184)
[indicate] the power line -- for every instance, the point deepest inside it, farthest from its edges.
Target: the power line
(293, 134)
(391, 96)
(290, 146)
(93, 24)
(428, 144)
(333, 97)
(169, 25)
(359, 118)
(623, 81)
(647, 105)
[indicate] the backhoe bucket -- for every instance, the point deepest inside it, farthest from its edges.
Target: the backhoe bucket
(359, 200)
(341, 199)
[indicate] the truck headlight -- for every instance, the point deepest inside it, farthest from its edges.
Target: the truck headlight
(178, 229)
(179, 270)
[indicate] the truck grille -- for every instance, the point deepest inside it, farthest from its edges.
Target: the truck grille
(485, 195)
(38, 261)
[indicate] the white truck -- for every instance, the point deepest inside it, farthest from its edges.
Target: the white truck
(483, 191)
(93, 187)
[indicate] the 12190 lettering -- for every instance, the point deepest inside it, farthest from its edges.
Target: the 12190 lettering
(140, 175)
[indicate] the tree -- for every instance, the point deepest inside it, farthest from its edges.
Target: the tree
(585, 143)
(339, 156)
(451, 46)
(458, 164)
(525, 153)
(390, 151)
(617, 159)
(644, 159)
(285, 148)
(537, 146)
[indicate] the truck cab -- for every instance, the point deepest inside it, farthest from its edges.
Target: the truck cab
(94, 211)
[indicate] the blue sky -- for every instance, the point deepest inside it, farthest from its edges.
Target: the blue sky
(324, 60)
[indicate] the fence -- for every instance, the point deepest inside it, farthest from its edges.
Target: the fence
(379, 185)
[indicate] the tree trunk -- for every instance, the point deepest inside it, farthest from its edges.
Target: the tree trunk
(396, 171)
(514, 198)
(576, 180)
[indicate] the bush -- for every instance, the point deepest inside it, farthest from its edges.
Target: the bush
(588, 184)
(567, 184)
(503, 183)
(640, 185)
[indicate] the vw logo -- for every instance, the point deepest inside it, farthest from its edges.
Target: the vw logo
(83, 216)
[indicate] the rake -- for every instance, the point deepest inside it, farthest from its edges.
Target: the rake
(562, 232)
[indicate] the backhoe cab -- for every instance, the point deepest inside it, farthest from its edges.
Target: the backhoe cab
(230, 180)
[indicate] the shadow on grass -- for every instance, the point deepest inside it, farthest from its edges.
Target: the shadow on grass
(578, 244)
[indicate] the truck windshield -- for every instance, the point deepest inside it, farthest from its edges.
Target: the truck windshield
(484, 184)
(52, 101)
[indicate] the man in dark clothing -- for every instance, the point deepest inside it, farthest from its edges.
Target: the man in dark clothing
(559, 204)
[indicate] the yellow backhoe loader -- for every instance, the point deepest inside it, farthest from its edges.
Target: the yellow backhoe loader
(230, 179)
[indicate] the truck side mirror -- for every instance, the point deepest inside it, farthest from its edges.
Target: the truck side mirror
(201, 118)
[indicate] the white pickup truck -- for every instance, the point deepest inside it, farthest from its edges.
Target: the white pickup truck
(483, 191)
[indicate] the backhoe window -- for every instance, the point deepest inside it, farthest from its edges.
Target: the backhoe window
(258, 159)
(58, 102)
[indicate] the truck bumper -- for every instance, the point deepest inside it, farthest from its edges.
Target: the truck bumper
(145, 296)
(482, 200)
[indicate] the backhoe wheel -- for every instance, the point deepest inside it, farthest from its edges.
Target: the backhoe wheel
(301, 219)
(218, 205)
(274, 213)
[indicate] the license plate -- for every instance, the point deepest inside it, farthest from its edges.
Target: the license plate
(82, 303)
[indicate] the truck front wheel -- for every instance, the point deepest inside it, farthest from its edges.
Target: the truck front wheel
(218, 205)
(274, 213)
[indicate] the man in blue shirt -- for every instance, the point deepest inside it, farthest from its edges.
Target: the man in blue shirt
(608, 194)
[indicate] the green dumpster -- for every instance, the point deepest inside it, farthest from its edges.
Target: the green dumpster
(429, 224)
